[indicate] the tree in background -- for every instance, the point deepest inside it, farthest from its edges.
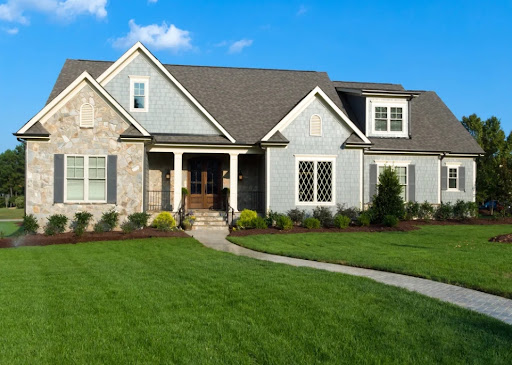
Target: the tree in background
(494, 168)
(12, 171)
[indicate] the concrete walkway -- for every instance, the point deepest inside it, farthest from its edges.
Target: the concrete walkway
(491, 305)
(11, 220)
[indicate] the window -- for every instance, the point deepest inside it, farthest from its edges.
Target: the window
(86, 116)
(315, 180)
(388, 119)
(139, 93)
(453, 178)
(401, 172)
(86, 178)
(315, 125)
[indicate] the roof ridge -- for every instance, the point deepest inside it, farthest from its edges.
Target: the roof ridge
(368, 82)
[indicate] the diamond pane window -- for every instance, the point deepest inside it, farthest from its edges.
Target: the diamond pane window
(306, 181)
(324, 181)
(315, 181)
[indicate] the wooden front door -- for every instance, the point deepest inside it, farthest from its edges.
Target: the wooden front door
(204, 176)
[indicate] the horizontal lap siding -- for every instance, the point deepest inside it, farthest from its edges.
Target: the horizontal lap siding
(468, 195)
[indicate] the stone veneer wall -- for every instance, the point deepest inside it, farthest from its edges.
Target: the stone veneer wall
(67, 137)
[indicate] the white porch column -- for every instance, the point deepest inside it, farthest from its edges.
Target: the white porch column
(233, 181)
(178, 172)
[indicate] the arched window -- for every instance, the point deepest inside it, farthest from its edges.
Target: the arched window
(315, 125)
(86, 116)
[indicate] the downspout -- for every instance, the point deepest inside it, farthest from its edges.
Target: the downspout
(441, 158)
(362, 180)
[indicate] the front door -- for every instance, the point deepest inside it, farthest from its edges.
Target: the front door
(204, 178)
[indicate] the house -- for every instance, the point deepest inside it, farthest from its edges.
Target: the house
(131, 134)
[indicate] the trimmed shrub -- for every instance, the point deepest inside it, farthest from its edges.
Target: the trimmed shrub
(246, 218)
(324, 215)
(311, 223)
(164, 222)
(460, 209)
(30, 225)
(444, 211)
(351, 212)
(19, 202)
(80, 222)
(390, 220)
(412, 210)
(271, 218)
(341, 221)
(388, 200)
(426, 210)
(364, 219)
(284, 222)
(128, 227)
(259, 222)
(56, 224)
(296, 215)
(139, 220)
(108, 221)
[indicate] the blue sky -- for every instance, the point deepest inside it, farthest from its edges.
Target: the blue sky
(460, 49)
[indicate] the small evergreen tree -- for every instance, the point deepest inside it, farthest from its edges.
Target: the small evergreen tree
(388, 200)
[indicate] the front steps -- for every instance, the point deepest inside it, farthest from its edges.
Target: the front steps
(209, 219)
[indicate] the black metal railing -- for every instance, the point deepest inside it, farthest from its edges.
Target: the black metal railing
(159, 200)
(254, 200)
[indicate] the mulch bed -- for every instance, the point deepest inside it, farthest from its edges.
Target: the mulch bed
(403, 226)
(504, 238)
(70, 238)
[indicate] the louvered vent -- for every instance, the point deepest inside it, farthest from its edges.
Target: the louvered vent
(87, 116)
(315, 125)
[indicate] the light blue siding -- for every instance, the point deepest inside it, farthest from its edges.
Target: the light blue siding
(468, 194)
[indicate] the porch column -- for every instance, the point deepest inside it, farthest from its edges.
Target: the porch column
(178, 168)
(233, 181)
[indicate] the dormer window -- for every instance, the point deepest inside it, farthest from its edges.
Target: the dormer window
(387, 117)
(139, 93)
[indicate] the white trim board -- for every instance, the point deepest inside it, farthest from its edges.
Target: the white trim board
(303, 104)
(84, 79)
(139, 48)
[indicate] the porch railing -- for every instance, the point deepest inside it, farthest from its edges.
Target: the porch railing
(253, 200)
(160, 200)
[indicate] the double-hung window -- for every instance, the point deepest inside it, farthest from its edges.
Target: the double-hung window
(139, 93)
(453, 174)
(86, 179)
(401, 172)
(315, 180)
(387, 117)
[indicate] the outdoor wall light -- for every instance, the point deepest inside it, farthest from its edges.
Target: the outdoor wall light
(240, 176)
(168, 176)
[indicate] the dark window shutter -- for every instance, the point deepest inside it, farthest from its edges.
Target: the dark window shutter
(373, 181)
(412, 183)
(112, 179)
(444, 178)
(58, 178)
(462, 178)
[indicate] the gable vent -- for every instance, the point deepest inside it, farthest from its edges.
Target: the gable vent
(315, 125)
(86, 116)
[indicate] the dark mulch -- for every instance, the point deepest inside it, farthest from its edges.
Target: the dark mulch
(403, 226)
(504, 238)
(70, 238)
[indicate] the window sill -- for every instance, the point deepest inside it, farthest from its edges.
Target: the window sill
(314, 204)
(138, 110)
(86, 203)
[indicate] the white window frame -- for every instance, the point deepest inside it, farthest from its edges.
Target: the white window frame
(142, 80)
(454, 166)
(321, 126)
(86, 179)
(372, 103)
(315, 159)
(394, 164)
(81, 111)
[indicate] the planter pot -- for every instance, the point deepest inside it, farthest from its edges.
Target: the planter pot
(187, 226)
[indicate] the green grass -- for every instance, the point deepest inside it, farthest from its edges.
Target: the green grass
(175, 301)
(8, 213)
(8, 228)
(458, 255)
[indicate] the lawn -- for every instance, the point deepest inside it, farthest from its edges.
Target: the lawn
(458, 255)
(175, 301)
(8, 228)
(8, 213)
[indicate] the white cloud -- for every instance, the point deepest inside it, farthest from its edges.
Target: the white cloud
(221, 44)
(238, 46)
(156, 37)
(152, 1)
(302, 10)
(11, 31)
(14, 10)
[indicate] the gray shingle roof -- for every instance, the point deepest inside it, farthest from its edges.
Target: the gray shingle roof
(367, 85)
(190, 138)
(37, 130)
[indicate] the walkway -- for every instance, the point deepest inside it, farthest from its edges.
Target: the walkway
(491, 305)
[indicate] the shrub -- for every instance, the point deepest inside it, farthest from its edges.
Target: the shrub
(412, 210)
(56, 224)
(460, 209)
(164, 222)
(271, 218)
(139, 220)
(100, 227)
(108, 222)
(30, 225)
(390, 220)
(426, 210)
(364, 219)
(296, 215)
(81, 222)
(259, 222)
(472, 209)
(128, 227)
(311, 223)
(341, 221)
(20, 202)
(324, 215)
(284, 222)
(444, 211)
(351, 212)
(246, 218)
(388, 200)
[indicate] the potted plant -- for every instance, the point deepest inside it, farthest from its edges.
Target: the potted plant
(188, 222)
